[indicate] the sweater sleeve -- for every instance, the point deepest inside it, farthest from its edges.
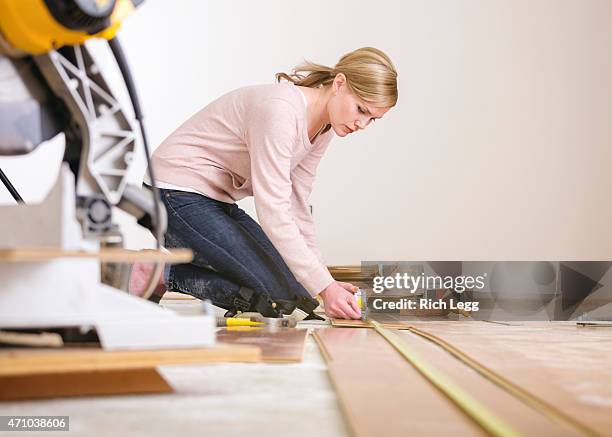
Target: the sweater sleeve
(302, 180)
(272, 135)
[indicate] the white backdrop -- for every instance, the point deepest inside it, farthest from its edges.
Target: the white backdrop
(499, 147)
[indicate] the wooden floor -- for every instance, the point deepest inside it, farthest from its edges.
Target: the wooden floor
(532, 378)
(552, 378)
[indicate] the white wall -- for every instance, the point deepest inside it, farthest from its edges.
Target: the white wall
(499, 147)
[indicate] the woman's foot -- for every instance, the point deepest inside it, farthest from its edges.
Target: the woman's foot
(140, 277)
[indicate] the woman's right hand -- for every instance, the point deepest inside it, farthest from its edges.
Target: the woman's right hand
(339, 302)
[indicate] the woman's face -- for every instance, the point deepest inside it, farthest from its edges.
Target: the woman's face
(347, 112)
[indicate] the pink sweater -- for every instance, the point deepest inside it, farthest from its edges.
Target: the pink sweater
(254, 142)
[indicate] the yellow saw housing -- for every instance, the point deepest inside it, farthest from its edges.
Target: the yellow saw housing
(28, 25)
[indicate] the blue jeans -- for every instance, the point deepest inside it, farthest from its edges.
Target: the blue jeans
(230, 250)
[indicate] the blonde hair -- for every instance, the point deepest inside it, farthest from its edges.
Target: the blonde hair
(369, 72)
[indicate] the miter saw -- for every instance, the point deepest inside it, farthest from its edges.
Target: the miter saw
(52, 89)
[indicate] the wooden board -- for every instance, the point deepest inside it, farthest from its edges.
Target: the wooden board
(43, 339)
(389, 320)
(37, 254)
(283, 345)
(513, 412)
(564, 366)
(345, 323)
(381, 394)
(41, 373)
(109, 382)
(174, 295)
(28, 362)
(353, 273)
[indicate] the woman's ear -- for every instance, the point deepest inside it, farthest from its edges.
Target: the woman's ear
(339, 82)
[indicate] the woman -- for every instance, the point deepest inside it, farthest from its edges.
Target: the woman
(265, 141)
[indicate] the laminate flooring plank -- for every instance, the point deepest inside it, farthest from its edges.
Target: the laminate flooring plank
(107, 382)
(381, 393)
(20, 361)
(282, 345)
(108, 254)
(521, 417)
(566, 366)
(346, 323)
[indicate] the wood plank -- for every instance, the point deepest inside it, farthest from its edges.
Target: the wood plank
(43, 339)
(282, 345)
(387, 320)
(15, 362)
(107, 382)
(346, 323)
(562, 365)
(174, 295)
(519, 416)
(353, 273)
(105, 254)
(381, 394)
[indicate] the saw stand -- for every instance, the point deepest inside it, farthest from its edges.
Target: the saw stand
(50, 278)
